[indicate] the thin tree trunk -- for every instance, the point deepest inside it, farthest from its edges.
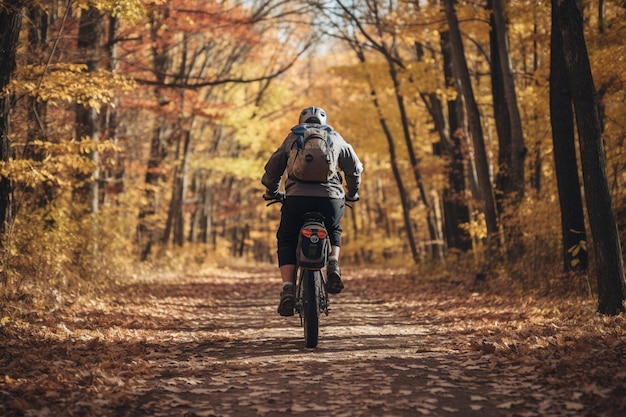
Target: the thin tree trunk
(404, 198)
(194, 221)
(573, 233)
(179, 224)
(112, 180)
(174, 206)
(455, 208)
(176, 195)
(146, 228)
(206, 220)
(10, 24)
(601, 16)
(511, 152)
(606, 244)
(147, 233)
(518, 149)
(391, 62)
(430, 214)
(502, 121)
(87, 118)
(475, 128)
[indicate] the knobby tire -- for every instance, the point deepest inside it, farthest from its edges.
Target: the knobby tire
(310, 308)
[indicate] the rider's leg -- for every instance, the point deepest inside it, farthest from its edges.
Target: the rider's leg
(287, 272)
(287, 236)
(334, 284)
(286, 305)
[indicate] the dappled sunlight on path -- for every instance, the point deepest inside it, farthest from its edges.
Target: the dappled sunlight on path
(213, 345)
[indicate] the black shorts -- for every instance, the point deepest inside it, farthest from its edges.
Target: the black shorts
(291, 221)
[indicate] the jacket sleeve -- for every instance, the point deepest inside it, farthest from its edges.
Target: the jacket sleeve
(352, 168)
(275, 168)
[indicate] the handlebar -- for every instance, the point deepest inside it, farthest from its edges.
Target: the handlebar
(272, 202)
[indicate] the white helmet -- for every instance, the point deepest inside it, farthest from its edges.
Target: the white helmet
(313, 115)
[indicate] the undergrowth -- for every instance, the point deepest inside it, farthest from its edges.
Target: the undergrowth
(49, 259)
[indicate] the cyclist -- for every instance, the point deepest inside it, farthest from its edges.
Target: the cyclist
(327, 198)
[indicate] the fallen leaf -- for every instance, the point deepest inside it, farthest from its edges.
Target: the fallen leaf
(574, 406)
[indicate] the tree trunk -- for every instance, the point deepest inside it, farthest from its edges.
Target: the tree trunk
(573, 233)
(515, 134)
(147, 232)
(146, 228)
(87, 118)
(173, 212)
(475, 128)
(455, 207)
(404, 197)
(206, 217)
(181, 178)
(606, 244)
(430, 213)
(112, 180)
(502, 121)
(601, 16)
(511, 153)
(10, 24)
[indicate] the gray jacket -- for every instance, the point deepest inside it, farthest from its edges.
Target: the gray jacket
(348, 162)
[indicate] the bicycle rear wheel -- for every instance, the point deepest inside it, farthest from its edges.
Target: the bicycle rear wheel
(310, 308)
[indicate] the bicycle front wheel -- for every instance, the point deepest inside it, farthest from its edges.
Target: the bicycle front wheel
(310, 308)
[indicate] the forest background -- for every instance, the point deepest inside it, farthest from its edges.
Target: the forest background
(139, 131)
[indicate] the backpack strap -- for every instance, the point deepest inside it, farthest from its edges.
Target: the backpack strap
(301, 128)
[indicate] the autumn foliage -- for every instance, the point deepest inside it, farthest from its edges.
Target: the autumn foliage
(137, 258)
(139, 130)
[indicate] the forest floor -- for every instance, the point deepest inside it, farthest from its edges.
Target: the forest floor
(212, 344)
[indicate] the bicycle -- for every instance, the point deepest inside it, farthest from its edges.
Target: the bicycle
(311, 296)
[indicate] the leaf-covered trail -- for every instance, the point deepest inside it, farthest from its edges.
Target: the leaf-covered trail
(213, 345)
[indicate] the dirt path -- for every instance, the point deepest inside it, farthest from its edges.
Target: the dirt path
(213, 345)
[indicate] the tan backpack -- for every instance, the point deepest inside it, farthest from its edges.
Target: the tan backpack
(312, 157)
